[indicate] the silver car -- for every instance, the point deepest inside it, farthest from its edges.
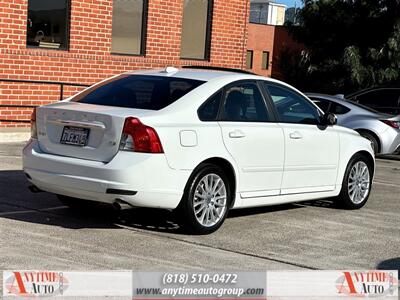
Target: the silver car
(381, 129)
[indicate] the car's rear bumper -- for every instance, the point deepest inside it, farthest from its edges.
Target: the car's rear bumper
(155, 183)
(390, 141)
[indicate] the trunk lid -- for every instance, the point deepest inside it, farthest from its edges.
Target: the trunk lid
(80, 130)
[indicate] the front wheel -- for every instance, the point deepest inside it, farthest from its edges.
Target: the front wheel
(357, 183)
(205, 203)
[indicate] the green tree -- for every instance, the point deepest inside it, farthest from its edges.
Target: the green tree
(349, 45)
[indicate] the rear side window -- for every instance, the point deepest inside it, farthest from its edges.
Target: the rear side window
(209, 110)
(244, 103)
(138, 91)
(339, 109)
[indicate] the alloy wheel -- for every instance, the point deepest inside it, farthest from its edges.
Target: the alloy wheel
(209, 200)
(359, 182)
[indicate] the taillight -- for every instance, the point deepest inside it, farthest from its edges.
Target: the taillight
(33, 124)
(393, 124)
(138, 137)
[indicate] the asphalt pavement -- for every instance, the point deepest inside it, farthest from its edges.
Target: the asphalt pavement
(38, 232)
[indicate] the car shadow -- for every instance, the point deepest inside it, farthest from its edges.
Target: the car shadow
(18, 203)
(323, 203)
(390, 264)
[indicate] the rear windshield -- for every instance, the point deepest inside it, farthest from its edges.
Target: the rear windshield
(138, 91)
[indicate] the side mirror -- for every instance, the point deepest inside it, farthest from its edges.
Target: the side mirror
(329, 119)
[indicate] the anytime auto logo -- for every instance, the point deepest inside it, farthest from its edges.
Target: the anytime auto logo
(367, 284)
(35, 284)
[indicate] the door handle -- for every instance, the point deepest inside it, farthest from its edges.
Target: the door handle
(237, 134)
(295, 135)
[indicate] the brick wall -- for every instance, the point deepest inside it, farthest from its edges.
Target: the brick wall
(275, 40)
(261, 38)
(89, 60)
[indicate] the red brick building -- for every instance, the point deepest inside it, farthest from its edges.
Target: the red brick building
(265, 46)
(84, 41)
(267, 38)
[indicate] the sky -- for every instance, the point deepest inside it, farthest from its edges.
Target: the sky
(290, 3)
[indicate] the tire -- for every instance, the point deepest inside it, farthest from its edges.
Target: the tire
(373, 139)
(203, 210)
(357, 183)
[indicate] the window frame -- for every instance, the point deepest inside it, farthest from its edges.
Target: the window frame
(258, 23)
(67, 30)
(143, 38)
(223, 90)
(276, 113)
(207, 101)
(252, 59)
(265, 67)
(207, 41)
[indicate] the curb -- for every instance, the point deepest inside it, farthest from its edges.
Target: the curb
(389, 157)
(14, 137)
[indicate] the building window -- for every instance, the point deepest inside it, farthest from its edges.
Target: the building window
(196, 29)
(48, 24)
(129, 26)
(259, 11)
(249, 59)
(265, 60)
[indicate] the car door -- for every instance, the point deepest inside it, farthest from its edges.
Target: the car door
(253, 139)
(311, 150)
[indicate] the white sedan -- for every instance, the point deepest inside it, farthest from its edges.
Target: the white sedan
(198, 141)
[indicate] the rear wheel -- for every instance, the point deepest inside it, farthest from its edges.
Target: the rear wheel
(205, 203)
(357, 183)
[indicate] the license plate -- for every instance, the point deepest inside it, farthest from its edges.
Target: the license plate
(76, 136)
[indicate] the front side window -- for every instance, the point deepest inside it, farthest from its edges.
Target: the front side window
(48, 24)
(292, 107)
(324, 105)
(138, 91)
(128, 26)
(196, 29)
(339, 109)
(244, 103)
(331, 107)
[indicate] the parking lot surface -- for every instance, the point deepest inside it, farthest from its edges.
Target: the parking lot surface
(37, 232)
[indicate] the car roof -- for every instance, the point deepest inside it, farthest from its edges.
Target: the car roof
(195, 74)
(328, 97)
(209, 74)
(395, 86)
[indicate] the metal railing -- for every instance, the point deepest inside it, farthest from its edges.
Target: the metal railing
(61, 84)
